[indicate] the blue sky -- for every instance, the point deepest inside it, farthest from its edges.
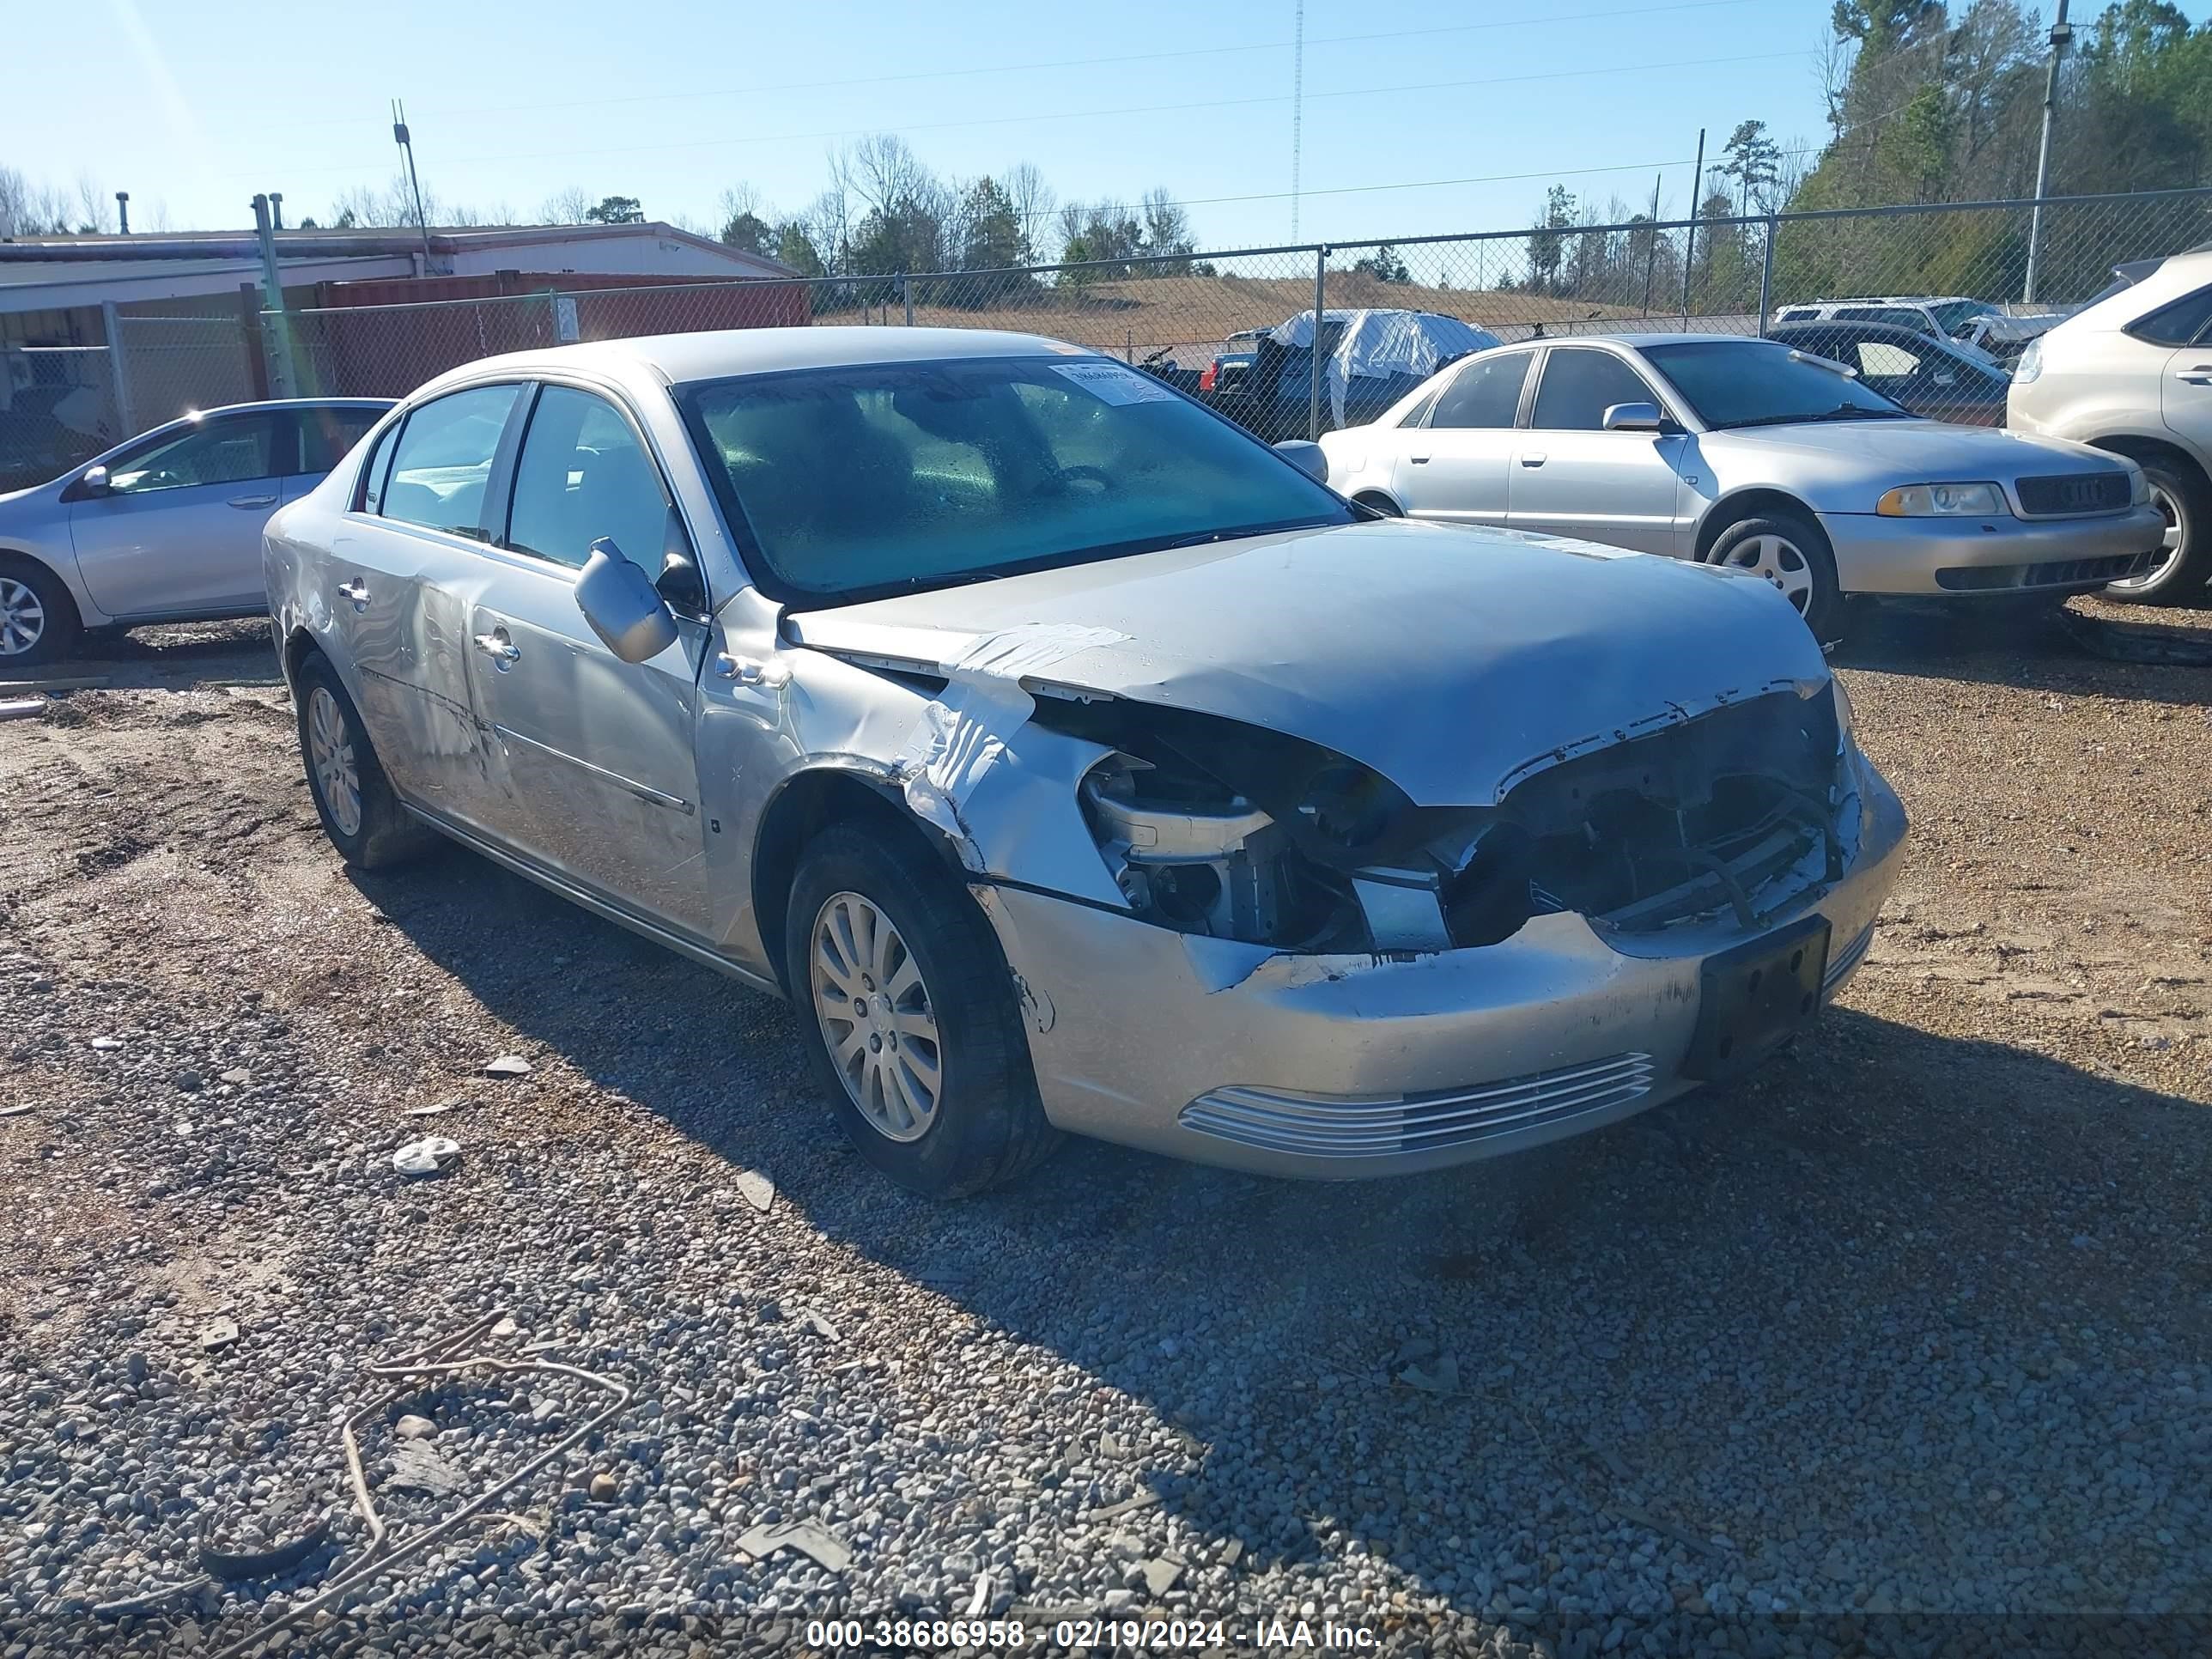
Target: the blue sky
(671, 101)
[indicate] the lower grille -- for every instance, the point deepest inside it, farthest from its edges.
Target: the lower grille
(1841, 963)
(2063, 573)
(2074, 492)
(1322, 1125)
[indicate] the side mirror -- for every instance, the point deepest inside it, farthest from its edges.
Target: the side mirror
(93, 482)
(679, 581)
(1309, 457)
(622, 604)
(1634, 417)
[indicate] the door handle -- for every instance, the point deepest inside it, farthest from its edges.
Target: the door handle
(357, 593)
(1418, 460)
(253, 501)
(501, 649)
(1534, 457)
(2200, 375)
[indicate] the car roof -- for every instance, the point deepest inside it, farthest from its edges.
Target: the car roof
(719, 354)
(1918, 341)
(1895, 299)
(1637, 341)
(291, 403)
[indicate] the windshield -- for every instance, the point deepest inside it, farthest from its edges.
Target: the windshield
(1954, 314)
(880, 478)
(1762, 383)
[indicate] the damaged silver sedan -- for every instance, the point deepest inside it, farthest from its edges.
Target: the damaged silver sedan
(1074, 761)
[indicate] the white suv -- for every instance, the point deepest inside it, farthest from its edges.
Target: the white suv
(2132, 372)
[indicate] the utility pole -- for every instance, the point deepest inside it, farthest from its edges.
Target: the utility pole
(1297, 112)
(1651, 253)
(2061, 35)
(276, 209)
(123, 212)
(401, 137)
(1690, 242)
(274, 321)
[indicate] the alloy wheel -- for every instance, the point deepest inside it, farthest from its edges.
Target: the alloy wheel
(876, 1017)
(330, 758)
(2169, 545)
(22, 617)
(1781, 563)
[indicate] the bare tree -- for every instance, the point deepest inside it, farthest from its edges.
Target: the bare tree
(32, 210)
(881, 169)
(1034, 201)
(96, 208)
(566, 206)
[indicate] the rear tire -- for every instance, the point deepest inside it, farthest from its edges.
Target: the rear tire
(956, 1110)
(2186, 502)
(360, 811)
(1382, 504)
(1791, 552)
(39, 624)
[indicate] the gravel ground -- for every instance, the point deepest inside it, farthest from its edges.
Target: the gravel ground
(1899, 1345)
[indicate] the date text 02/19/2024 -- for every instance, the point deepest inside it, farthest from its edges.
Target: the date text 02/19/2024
(1094, 1635)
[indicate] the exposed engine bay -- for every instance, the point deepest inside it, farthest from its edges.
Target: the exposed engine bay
(1213, 826)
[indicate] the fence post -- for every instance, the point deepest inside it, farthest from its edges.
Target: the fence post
(118, 368)
(277, 333)
(1766, 277)
(906, 293)
(1313, 398)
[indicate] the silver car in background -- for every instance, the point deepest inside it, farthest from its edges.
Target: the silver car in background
(1073, 761)
(1747, 454)
(165, 527)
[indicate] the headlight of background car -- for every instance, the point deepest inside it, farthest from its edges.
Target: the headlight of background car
(1942, 501)
(2030, 364)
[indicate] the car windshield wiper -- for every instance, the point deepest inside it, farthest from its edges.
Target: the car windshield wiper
(1840, 412)
(1231, 533)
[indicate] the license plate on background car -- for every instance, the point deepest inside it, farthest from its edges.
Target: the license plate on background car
(1756, 997)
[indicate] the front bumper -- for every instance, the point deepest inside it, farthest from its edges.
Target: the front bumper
(1874, 554)
(1353, 1065)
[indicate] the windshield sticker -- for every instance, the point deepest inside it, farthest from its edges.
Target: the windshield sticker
(1110, 382)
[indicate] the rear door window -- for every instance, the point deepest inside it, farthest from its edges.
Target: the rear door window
(441, 467)
(1486, 393)
(325, 435)
(1579, 385)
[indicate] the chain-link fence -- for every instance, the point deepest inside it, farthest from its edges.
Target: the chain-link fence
(57, 408)
(1215, 324)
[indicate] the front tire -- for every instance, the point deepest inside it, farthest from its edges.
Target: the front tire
(906, 1012)
(1791, 553)
(360, 811)
(39, 624)
(2185, 558)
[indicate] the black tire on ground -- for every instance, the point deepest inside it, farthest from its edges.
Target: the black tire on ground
(42, 606)
(2186, 501)
(384, 834)
(989, 1128)
(1799, 547)
(1381, 504)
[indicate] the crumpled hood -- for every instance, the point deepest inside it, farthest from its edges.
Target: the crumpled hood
(1453, 661)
